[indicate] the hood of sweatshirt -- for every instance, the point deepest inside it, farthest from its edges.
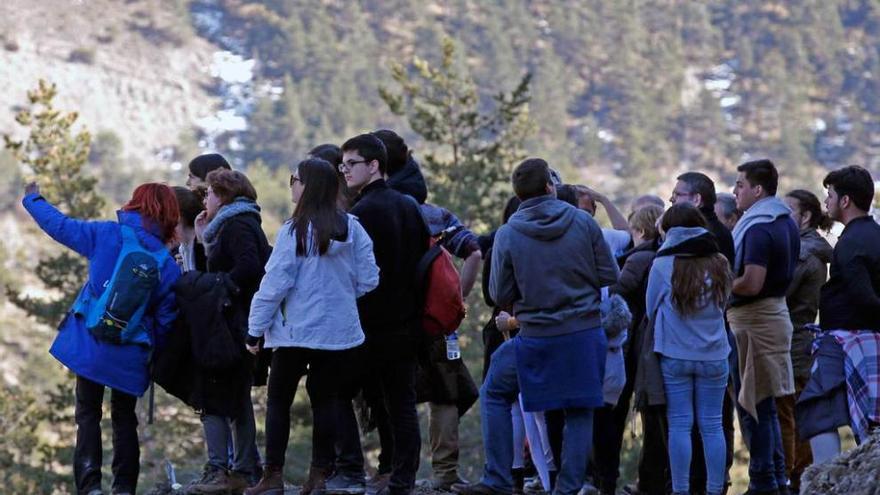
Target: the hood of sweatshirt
(544, 218)
(695, 241)
(814, 244)
(410, 181)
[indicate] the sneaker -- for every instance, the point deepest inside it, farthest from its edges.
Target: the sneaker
(214, 481)
(588, 489)
(271, 483)
(474, 489)
(534, 486)
(378, 483)
(345, 484)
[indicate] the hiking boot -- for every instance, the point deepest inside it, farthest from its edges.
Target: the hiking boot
(271, 483)
(96, 491)
(237, 483)
(474, 489)
(345, 484)
(317, 480)
(752, 491)
(377, 483)
(213, 481)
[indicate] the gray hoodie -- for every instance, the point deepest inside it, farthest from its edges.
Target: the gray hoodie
(549, 263)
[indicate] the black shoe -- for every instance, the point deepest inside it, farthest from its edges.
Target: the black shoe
(752, 491)
(474, 489)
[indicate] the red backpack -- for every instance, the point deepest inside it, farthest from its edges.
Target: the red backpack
(436, 276)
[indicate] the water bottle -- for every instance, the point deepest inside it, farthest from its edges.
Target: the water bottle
(453, 352)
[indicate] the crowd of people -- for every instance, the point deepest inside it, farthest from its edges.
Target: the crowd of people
(691, 314)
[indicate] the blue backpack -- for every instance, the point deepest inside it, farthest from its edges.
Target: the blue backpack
(115, 316)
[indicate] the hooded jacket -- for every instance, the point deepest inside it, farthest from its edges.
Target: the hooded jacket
(410, 181)
(803, 296)
(549, 263)
(120, 367)
(701, 336)
(311, 301)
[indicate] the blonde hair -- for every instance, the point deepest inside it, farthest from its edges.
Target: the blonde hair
(645, 220)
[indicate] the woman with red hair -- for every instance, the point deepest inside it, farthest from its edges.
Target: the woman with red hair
(122, 314)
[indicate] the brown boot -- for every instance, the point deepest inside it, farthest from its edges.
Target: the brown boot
(317, 480)
(272, 482)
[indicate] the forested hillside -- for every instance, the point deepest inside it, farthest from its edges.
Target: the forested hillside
(637, 88)
(622, 95)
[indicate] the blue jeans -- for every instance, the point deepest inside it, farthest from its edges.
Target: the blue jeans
(498, 393)
(695, 386)
(766, 454)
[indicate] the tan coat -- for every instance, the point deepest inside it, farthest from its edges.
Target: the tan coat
(763, 338)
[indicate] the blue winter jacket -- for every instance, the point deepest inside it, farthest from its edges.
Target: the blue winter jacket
(121, 367)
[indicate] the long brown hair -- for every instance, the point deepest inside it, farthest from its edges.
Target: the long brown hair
(696, 280)
(699, 280)
(318, 207)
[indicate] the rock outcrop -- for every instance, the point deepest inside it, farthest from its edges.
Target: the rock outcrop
(856, 472)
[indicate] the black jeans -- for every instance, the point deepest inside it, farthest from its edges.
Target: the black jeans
(391, 390)
(126, 450)
(325, 387)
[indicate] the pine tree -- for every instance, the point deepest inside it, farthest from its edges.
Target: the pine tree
(55, 156)
(472, 151)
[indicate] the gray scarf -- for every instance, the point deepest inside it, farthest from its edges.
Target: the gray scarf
(765, 210)
(239, 206)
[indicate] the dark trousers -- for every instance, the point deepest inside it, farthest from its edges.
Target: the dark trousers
(766, 454)
(391, 391)
(126, 450)
(609, 425)
(326, 388)
(654, 475)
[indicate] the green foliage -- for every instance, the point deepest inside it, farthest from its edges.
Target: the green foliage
(472, 150)
(54, 156)
(28, 454)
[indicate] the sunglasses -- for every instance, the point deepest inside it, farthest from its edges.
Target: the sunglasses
(293, 179)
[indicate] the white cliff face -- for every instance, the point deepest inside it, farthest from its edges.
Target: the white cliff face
(233, 75)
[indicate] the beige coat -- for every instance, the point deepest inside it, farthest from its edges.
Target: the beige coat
(763, 338)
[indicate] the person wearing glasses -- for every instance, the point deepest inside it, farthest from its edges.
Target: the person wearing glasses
(389, 315)
(306, 309)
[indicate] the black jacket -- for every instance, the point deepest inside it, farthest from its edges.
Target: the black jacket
(242, 251)
(850, 300)
(722, 235)
(207, 334)
(409, 180)
(390, 313)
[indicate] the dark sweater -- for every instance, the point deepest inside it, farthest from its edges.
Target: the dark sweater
(850, 300)
(722, 235)
(389, 314)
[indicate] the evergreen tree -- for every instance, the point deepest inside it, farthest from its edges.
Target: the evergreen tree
(472, 152)
(55, 156)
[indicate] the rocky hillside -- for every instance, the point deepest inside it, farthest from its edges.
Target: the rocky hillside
(856, 472)
(135, 67)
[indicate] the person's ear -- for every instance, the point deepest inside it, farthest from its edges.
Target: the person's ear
(550, 188)
(806, 217)
(844, 202)
(699, 199)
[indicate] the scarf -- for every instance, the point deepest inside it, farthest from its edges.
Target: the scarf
(765, 210)
(239, 206)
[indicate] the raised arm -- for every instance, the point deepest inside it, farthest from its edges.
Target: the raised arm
(79, 235)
